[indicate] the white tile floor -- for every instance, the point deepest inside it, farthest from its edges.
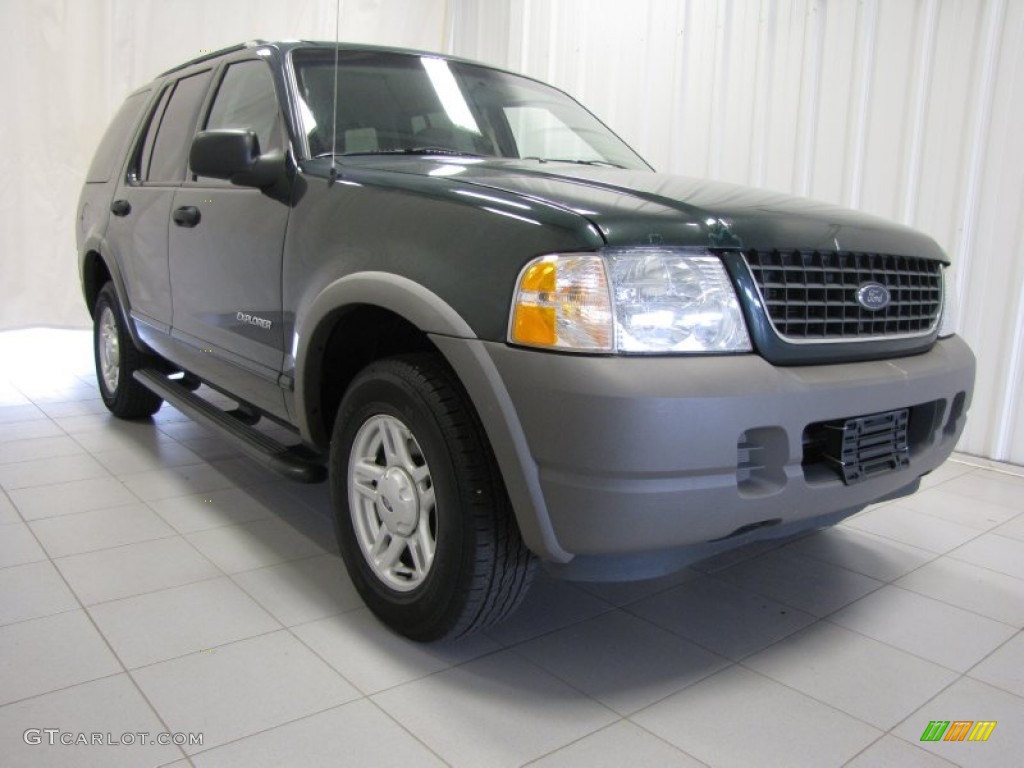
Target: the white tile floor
(153, 580)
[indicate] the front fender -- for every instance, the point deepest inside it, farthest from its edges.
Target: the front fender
(462, 350)
(314, 322)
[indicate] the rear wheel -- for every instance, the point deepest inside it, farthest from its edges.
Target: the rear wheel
(117, 359)
(423, 520)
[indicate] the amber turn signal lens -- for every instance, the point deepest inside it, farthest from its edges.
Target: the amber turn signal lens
(535, 325)
(563, 302)
(539, 277)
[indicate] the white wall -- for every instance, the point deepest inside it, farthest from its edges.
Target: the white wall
(68, 64)
(911, 109)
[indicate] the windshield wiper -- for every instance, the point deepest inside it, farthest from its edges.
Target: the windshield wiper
(602, 163)
(407, 151)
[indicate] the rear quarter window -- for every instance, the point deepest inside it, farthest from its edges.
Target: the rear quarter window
(110, 151)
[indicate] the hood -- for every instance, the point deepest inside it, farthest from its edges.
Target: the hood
(646, 208)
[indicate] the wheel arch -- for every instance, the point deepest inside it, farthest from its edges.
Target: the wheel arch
(366, 315)
(420, 321)
(96, 270)
(95, 274)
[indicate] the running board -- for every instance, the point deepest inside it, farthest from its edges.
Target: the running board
(294, 462)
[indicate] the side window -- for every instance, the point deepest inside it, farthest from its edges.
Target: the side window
(163, 157)
(246, 99)
(141, 169)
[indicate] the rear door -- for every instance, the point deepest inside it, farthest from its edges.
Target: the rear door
(226, 246)
(142, 202)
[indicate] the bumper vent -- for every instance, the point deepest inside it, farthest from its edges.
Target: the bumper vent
(819, 297)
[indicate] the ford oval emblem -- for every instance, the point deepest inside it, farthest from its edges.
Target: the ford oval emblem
(873, 296)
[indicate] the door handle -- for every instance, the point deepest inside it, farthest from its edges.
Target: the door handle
(186, 216)
(120, 207)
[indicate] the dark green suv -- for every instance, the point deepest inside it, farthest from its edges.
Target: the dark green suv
(496, 332)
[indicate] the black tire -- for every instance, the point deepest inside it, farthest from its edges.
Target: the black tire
(117, 355)
(480, 568)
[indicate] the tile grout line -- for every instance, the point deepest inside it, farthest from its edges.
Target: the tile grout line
(499, 650)
(516, 647)
(109, 646)
(106, 641)
(625, 719)
(976, 532)
(363, 695)
(741, 663)
(1010, 639)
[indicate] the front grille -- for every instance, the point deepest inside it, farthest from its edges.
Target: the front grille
(812, 296)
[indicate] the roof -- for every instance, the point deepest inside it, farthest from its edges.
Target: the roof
(284, 46)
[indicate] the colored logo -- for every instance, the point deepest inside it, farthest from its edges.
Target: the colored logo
(873, 296)
(958, 730)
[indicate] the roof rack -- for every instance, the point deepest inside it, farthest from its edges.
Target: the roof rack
(214, 55)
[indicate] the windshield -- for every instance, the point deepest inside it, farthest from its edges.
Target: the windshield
(404, 104)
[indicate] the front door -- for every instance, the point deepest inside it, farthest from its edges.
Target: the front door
(225, 250)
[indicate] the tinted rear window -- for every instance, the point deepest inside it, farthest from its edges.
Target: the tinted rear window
(110, 152)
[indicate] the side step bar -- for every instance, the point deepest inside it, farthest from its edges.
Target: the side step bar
(295, 463)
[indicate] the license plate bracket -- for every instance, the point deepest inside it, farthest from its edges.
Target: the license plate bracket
(867, 446)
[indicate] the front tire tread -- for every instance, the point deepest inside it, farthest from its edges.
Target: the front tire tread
(493, 581)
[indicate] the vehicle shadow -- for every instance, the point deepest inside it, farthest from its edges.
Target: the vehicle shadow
(625, 645)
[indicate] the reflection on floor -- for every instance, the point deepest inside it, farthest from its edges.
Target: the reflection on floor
(152, 580)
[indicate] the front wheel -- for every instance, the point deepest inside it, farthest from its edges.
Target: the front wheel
(422, 516)
(117, 359)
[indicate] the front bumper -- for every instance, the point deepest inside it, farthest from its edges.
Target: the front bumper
(639, 455)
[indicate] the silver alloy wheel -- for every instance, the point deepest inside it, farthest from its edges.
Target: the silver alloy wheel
(391, 500)
(109, 349)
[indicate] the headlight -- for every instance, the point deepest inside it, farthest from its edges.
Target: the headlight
(948, 318)
(628, 300)
(563, 302)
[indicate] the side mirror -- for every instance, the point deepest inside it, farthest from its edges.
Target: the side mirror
(234, 155)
